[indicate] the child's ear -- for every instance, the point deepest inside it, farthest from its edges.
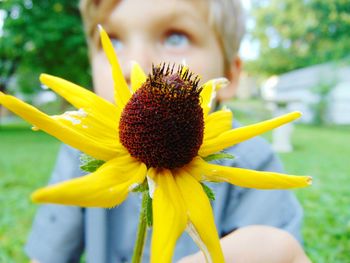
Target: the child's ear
(232, 74)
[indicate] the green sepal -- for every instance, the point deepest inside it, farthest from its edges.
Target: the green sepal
(218, 156)
(147, 206)
(149, 212)
(140, 188)
(89, 164)
(208, 191)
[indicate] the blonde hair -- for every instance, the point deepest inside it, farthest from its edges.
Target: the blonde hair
(226, 16)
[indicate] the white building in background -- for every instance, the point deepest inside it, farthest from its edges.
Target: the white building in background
(296, 90)
(339, 106)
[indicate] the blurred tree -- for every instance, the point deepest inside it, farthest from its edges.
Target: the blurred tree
(298, 33)
(42, 36)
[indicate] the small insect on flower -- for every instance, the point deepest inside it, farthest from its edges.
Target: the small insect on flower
(161, 132)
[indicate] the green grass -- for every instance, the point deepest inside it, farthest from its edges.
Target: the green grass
(26, 160)
(324, 153)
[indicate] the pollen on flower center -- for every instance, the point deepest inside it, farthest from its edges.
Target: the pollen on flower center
(162, 124)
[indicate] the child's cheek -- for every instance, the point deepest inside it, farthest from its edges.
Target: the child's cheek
(102, 77)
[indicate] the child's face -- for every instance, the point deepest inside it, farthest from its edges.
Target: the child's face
(155, 31)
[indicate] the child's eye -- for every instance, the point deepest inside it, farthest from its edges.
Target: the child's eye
(117, 43)
(176, 39)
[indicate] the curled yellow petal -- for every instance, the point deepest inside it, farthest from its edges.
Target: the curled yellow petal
(244, 177)
(169, 216)
(209, 92)
(217, 123)
(138, 77)
(201, 217)
(238, 135)
(121, 89)
(107, 187)
(61, 131)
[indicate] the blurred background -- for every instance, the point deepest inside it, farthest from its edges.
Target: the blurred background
(296, 57)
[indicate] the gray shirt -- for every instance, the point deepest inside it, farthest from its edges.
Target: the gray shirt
(60, 233)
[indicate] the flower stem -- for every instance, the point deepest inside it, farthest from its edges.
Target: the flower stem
(141, 231)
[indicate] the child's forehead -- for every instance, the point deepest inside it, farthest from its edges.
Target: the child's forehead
(162, 9)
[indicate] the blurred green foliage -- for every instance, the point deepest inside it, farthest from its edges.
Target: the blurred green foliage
(42, 36)
(298, 33)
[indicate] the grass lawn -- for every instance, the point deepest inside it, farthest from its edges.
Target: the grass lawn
(26, 159)
(324, 153)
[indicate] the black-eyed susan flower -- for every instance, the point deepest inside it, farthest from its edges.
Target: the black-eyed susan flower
(160, 130)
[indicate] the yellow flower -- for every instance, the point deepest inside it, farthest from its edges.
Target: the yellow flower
(161, 131)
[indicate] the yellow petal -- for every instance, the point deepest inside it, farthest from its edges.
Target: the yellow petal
(82, 98)
(121, 89)
(209, 92)
(138, 77)
(169, 217)
(58, 129)
(244, 177)
(238, 135)
(217, 123)
(102, 117)
(84, 123)
(107, 187)
(201, 216)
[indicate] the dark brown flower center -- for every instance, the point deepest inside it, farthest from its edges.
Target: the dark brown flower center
(162, 124)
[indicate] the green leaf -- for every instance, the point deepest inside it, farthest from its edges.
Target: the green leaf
(89, 164)
(218, 156)
(209, 192)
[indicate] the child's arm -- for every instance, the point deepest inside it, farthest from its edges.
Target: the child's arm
(257, 244)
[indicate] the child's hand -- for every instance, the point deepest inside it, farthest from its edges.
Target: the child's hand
(194, 258)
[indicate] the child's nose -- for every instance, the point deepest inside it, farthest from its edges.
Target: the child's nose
(141, 55)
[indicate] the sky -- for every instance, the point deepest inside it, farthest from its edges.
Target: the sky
(2, 17)
(248, 50)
